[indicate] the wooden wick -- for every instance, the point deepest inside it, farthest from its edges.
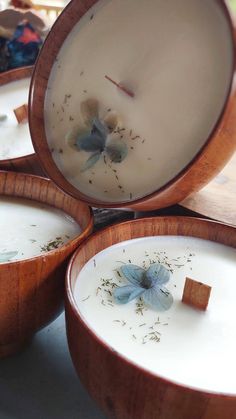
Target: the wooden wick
(196, 294)
(21, 114)
(121, 87)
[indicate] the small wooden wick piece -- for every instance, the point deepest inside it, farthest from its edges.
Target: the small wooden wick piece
(196, 294)
(21, 114)
(121, 87)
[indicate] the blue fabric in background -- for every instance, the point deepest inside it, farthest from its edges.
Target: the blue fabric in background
(22, 49)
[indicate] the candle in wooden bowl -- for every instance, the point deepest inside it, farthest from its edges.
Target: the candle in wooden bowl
(154, 356)
(131, 103)
(16, 149)
(40, 228)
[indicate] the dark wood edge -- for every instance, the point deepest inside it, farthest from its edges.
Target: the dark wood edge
(16, 74)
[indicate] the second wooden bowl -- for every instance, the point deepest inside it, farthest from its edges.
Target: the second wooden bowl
(31, 290)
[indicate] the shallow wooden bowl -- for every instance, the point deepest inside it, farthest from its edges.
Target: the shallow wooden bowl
(210, 159)
(31, 290)
(30, 162)
(123, 389)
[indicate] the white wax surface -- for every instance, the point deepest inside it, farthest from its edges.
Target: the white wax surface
(29, 227)
(15, 140)
(196, 349)
(176, 56)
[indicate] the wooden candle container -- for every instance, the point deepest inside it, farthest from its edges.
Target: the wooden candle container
(122, 388)
(32, 289)
(30, 162)
(211, 158)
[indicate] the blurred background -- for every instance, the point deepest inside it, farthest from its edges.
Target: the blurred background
(49, 8)
(24, 25)
(233, 4)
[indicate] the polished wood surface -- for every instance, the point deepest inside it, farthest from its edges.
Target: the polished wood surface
(16, 74)
(218, 199)
(209, 161)
(29, 163)
(123, 390)
(21, 113)
(196, 294)
(32, 290)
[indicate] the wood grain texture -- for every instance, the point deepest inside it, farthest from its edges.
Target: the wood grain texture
(196, 294)
(29, 163)
(123, 390)
(32, 290)
(21, 113)
(207, 163)
(218, 199)
(16, 74)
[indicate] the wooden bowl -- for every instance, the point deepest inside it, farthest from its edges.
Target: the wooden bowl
(122, 388)
(28, 163)
(32, 289)
(206, 163)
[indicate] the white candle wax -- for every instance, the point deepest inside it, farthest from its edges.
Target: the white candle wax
(176, 57)
(29, 228)
(15, 140)
(183, 344)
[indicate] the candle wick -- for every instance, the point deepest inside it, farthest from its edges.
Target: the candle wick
(121, 87)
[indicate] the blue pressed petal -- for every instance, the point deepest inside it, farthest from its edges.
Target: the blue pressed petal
(6, 256)
(90, 162)
(90, 142)
(89, 110)
(73, 134)
(112, 120)
(100, 128)
(133, 273)
(123, 295)
(158, 298)
(157, 274)
(117, 150)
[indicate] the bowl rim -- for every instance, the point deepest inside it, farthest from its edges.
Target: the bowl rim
(16, 74)
(69, 295)
(36, 109)
(70, 243)
(5, 78)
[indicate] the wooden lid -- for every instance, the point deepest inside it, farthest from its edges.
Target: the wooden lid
(182, 98)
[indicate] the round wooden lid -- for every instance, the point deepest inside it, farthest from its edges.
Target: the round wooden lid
(132, 105)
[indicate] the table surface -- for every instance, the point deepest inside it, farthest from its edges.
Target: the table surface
(41, 383)
(217, 200)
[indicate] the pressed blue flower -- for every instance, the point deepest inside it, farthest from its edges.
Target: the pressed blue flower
(6, 256)
(148, 284)
(95, 137)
